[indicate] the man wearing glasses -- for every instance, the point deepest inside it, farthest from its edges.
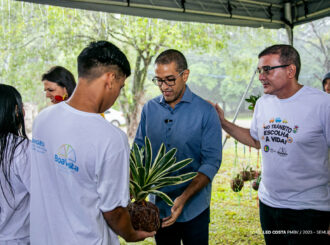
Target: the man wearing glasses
(291, 124)
(181, 119)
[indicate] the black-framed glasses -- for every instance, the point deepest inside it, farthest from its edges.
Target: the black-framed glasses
(266, 69)
(169, 80)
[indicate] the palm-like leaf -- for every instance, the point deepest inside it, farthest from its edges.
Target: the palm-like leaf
(148, 156)
(147, 177)
(163, 196)
(252, 100)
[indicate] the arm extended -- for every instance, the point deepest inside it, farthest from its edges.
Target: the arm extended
(241, 134)
(120, 222)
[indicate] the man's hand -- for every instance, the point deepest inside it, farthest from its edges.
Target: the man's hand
(220, 112)
(198, 183)
(175, 212)
(120, 222)
(241, 134)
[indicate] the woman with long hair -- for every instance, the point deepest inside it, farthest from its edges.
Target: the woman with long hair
(59, 84)
(14, 169)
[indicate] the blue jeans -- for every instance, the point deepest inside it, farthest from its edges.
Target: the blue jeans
(192, 232)
(289, 226)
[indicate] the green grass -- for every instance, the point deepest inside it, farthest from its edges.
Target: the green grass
(234, 216)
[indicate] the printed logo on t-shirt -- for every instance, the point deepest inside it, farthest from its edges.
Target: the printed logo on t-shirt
(66, 158)
(266, 148)
(38, 146)
(277, 131)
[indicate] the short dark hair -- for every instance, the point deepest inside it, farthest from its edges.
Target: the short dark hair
(287, 53)
(172, 55)
(326, 76)
(100, 55)
(62, 77)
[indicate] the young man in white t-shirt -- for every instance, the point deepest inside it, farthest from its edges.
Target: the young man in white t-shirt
(291, 124)
(80, 172)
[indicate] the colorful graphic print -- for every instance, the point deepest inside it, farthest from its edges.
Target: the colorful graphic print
(66, 157)
(277, 130)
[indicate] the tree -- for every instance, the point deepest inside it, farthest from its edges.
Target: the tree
(34, 38)
(313, 42)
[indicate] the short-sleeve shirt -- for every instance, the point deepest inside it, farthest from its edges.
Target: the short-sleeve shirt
(193, 128)
(80, 170)
(294, 134)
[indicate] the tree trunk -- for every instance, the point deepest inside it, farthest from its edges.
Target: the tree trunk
(134, 116)
(135, 106)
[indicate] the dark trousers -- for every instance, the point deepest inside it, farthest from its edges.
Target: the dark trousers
(288, 226)
(193, 232)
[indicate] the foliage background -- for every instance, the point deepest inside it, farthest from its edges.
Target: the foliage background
(222, 59)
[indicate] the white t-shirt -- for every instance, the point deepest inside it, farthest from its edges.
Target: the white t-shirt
(294, 134)
(14, 214)
(80, 169)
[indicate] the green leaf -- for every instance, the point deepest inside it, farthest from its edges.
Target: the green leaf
(134, 187)
(132, 158)
(165, 159)
(174, 180)
(177, 166)
(133, 169)
(148, 155)
(187, 176)
(155, 173)
(160, 154)
(163, 196)
(170, 180)
(142, 195)
(142, 174)
(137, 154)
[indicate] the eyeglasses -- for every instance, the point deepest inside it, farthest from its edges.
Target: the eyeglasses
(266, 69)
(169, 81)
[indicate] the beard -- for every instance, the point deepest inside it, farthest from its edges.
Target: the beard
(175, 97)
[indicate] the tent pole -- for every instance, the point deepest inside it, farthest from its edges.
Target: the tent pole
(288, 18)
(289, 31)
(241, 102)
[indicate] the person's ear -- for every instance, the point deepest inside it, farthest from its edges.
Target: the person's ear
(185, 75)
(292, 69)
(110, 78)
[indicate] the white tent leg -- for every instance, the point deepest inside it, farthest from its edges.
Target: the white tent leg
(241, 102)
(288, 26)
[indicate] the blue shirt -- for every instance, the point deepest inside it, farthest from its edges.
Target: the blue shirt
(193, 127)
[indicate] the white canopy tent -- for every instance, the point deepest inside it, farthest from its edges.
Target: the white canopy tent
(272, 14)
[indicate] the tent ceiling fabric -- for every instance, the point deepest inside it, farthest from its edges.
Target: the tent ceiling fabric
(267, 13)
